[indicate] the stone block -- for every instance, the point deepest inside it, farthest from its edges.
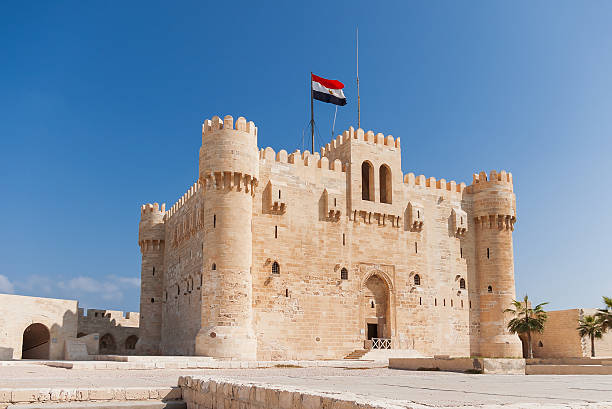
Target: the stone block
(136, 393)
(101, 394)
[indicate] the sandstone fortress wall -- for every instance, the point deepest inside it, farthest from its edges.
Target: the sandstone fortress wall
(49, 328)
(271, 255)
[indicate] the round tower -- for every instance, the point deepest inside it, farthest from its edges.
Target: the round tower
(151, 235)
(494, 211)
(229, 170)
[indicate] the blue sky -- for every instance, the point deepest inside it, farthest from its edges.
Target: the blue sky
(101, 105)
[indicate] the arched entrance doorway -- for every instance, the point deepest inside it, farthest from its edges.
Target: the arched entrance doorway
(107, 344)
(376, 308)
(35, 344)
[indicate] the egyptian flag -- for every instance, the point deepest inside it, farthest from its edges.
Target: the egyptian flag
(328, 90)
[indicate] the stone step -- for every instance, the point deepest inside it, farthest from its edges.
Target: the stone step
(356, 354)
(135, 404)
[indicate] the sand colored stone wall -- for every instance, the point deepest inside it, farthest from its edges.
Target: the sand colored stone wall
(19, 312)
(122, 328)
(280, 229)
(560, 337)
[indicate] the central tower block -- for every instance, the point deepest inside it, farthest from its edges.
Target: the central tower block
(228, 173)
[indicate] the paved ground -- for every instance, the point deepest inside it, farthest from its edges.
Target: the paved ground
(427, 388)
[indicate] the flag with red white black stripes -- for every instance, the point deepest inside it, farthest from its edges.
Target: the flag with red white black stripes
(329, 91)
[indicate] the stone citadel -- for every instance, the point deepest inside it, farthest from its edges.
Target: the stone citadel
(311, 256)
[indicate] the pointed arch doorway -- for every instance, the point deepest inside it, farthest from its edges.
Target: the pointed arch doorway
(376, 311)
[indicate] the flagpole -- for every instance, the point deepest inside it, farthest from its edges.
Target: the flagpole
(311, 115)
(358, 97)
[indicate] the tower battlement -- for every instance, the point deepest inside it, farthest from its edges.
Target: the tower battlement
(149, 209)
(215, 124)
(481, 181)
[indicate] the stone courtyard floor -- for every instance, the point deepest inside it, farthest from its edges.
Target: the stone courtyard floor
(438, 389)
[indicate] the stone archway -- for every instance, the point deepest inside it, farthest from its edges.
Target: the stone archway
(376, 307)
(36, 343)
(107, 344)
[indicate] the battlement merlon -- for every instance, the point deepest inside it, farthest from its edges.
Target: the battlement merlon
(351, 135)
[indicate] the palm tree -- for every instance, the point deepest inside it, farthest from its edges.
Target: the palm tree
(592, 326)
(605, 314)
(526, 320)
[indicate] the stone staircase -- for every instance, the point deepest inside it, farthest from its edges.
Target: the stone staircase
(357, 354)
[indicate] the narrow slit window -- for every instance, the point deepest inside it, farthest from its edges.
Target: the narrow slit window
(343, 239)
(372, 304)
(214, 221)
(335, 203)
(420, 301)
(276, 232)
(452, 303)
(488, 253)
(416, 247)
(461, 303)
(213, 267)
(435, 302)
(489, 289)
(344, 274)
(444, 302)
(153, 270)
(286, 292)
(461, 252)
(279, 194)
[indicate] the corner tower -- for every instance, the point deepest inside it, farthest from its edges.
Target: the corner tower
(151, 239)
(494, 212)
(229, 170)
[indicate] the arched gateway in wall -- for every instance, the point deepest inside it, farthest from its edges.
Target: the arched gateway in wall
(376, 309)
(36, 343)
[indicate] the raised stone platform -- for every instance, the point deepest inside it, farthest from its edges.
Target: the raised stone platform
(466, 365)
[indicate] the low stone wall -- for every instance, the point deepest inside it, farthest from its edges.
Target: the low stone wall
(469, 365)
(56, 395)
(216, 392)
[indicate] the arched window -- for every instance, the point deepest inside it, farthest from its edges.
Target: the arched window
(462, 284)
(275, 268)
(417, 279)
(367, 181)
(214, 267)
(386, 188)
(344, 274)
(489, 289)
(130, 342)
(540, 344)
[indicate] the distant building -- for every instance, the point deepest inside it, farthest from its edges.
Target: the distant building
(303, 256)
(48, 328)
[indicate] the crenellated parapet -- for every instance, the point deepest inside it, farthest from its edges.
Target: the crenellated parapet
(431, 183)
(359, 135)
(305, 158)
(193, 190)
